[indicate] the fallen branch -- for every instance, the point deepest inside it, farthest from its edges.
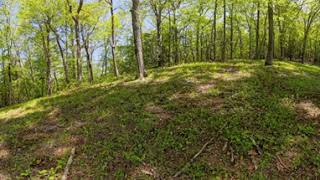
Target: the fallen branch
(66, 170)
(200, 151)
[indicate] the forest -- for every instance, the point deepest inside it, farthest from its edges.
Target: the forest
(159, 89)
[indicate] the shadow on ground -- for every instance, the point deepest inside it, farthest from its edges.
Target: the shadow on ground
(151, 129)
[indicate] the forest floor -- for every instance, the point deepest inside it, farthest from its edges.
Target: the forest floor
(264, 123)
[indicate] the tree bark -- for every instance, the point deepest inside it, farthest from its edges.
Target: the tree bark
(113, 41)
(215, 30)
(77, 37)
(269, 59)
(257, 55)
(224, 41)
(64, 62)
(176, 40)
(137, 38)
(231, 32)
(46, 48)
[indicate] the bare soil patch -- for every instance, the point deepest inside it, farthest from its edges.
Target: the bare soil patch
(161, 113)
(308, 110)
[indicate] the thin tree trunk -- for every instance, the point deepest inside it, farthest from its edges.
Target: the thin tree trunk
(224, 42)
(77, 37)
(64, 63)
(86, 45)
(269, 59)
(231, 32)
(137, 38)
(257, 55)
(46, 48)
(113, 42)
(215, 30)
(170, 39)
(240, 39)
(78, 52)
(176, 41)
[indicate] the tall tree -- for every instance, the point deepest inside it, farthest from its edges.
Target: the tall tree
(157, 8)
(308, 22)
(76, 19)
(214, 32)
(269, 59)
(257, 55)
(136, 27)
(113, 40)
(224, 41)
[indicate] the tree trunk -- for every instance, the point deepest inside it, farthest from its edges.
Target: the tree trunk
(257, 55)
(176, 38)
(198, 41)
(215, 30)
(269, 59)
(113, 42)
(77, 37)
(157, 10)
(231, 32)
(64, 63)
(46, 49)
(304, 47)
(281, 36)
(224, 41)
(240, 39)
(78, 52)
(86, 45)
(137, 38)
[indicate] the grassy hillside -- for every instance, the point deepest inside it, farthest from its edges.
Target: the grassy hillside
(264, 122)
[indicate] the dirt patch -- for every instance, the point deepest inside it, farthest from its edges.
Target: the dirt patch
(42, 163)
(79, 124)
(205, 88)
(33, 136)
(161, 113)
(61, 151)
(51, 123)
(285, 160)
(4, 176)
(215, 103)
(4, 153)
(308, 110)
(76, 140)
(215, 154)
(143, 171)
(230, 69)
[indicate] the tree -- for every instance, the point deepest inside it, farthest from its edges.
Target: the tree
(308, 22)
(137, 38)
(224, 41)
(257, 56)
(75, 16)
(157, 8)
(113, 39)
(269, 59)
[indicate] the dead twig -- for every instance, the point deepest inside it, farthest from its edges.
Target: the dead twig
(66, 170)
(199, 152)
(281, 162)
(232, 154)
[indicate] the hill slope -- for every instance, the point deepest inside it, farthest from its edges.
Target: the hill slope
(263, 121)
